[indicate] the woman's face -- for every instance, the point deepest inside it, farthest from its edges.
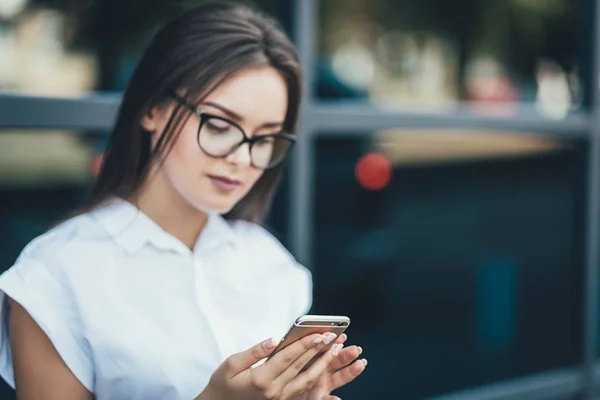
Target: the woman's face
(255, 99)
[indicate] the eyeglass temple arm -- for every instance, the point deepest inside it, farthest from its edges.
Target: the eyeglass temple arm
(184, 102)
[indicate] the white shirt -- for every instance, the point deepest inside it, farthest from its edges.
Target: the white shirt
(135, 314)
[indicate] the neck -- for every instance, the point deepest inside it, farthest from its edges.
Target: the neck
(170, 211)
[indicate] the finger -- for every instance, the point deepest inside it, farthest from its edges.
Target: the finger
(342, 339)
(330, 398)
(282, 360)
(302, 361)
(242, 361)
(347, 374)
(346, 356)
(284, 366)
(308, 378)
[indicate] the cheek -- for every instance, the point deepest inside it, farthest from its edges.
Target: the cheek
(185, 160)
(254, 175)
(185, 148)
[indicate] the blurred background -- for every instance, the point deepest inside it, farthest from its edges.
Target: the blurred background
(445, 191)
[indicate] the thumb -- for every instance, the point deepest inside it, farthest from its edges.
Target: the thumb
(242, 361)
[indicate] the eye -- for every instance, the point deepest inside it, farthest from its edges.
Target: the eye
(218, 126)
(265, 141)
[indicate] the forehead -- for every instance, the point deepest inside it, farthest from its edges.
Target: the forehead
(257, 94)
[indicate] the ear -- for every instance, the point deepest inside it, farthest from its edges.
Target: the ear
(153, 119)
(149, 121)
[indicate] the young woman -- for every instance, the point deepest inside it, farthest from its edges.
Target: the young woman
(163, 284)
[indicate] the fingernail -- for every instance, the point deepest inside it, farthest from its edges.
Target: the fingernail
(319, 339)
(365, 361)
(344, 337)
(330, 338)
(269, 344)
(359, 350)
(336, 349)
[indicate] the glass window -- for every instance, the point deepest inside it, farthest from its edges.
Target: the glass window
(434, 54)
(45, 174)
(457, 255)
(278, 219)
(73, 47)
(43, 177)
(45, 157)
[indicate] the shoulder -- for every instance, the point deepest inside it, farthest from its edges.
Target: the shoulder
(68, 243)
(259, 241)
(278, 262)
(40, 282)
(54, 241)
(258, 238)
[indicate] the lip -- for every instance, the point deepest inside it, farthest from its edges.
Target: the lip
(224, 184)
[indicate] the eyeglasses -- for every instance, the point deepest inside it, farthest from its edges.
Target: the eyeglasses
(219, 137)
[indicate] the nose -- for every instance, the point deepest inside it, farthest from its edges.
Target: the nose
(240, 157)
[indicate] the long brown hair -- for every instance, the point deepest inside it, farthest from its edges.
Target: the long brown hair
(194, 53)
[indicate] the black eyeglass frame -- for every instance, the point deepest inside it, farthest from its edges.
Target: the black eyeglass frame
(204, 117)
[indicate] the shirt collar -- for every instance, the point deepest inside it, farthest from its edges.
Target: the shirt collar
(132, 229)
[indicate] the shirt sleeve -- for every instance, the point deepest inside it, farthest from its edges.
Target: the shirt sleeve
(42, 288)
(299, 283)
(302, 286)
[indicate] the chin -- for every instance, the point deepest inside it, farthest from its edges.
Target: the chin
(213, 207)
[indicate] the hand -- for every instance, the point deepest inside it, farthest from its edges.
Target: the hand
(278, 378)
(342, 370)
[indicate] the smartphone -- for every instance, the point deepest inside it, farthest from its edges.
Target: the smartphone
(309, 324)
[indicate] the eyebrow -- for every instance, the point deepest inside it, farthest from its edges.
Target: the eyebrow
(236, 117)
